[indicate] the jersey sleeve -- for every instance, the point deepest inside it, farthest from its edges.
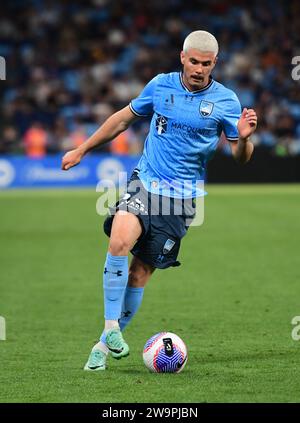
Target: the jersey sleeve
(143, 104)
(231, 117)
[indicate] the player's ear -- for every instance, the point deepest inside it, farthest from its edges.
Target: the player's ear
(182, 57)
(214, 62)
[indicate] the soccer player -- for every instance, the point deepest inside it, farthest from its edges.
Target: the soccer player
(189, 111)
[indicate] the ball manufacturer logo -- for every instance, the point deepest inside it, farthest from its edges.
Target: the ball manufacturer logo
(168, 346)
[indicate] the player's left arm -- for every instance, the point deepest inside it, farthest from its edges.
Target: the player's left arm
(243, 148)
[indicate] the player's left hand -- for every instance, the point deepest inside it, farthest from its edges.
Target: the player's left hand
(247, 123)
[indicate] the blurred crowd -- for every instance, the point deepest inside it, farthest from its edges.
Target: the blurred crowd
(71, 63)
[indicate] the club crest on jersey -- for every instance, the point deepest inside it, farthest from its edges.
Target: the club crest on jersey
(169, 244)
(206, 107)
(161, 124)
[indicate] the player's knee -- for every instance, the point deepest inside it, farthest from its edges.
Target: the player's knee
(136, 279)
(139, 274)
(119, 247)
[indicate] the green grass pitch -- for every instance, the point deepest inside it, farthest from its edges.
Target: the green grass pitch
(232, 301)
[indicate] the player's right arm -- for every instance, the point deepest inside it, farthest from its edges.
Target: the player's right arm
(111, 128)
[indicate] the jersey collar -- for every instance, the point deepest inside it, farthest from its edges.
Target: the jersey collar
(197, 91)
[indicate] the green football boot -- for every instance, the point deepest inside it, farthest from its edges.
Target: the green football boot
(116, 344)
(96, 361)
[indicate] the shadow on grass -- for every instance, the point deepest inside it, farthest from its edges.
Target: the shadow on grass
(143, 372)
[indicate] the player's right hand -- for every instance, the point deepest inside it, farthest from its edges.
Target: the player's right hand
(71, 159)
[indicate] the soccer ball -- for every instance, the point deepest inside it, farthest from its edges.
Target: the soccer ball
(165, 352)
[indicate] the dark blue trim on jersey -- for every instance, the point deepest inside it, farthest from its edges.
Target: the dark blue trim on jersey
(197, 91)
(135, 112)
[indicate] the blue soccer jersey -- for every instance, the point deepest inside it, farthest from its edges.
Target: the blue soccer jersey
(184, 132)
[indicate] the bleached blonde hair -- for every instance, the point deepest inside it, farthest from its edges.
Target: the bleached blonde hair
(202, 41)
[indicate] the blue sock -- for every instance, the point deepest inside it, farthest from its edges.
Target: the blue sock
(103, 337)
(132, 301)
(115, 279)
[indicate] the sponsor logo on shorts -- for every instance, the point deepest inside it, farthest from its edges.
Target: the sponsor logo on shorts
(137, 204)
(169, 244)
